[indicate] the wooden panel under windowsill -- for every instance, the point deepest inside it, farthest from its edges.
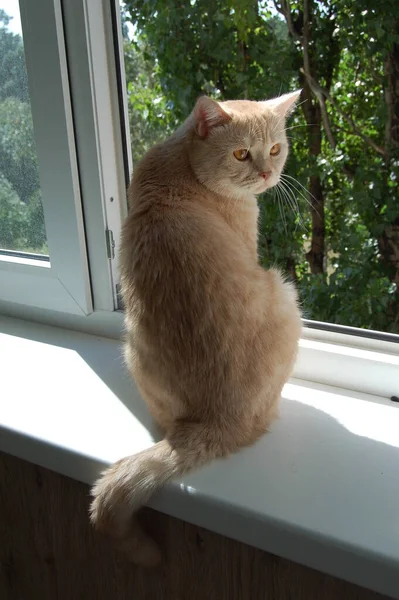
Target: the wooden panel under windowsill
(48, 551)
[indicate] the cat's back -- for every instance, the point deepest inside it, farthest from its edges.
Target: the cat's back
(173, 220)
(172, 244)
(163, 176)
(180, 261)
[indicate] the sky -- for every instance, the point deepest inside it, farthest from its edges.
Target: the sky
(11, 7)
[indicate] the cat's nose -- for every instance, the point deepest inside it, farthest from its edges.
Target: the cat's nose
(265, 175)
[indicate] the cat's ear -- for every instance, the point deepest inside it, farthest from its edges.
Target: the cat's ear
(283, 105)
(208, 114)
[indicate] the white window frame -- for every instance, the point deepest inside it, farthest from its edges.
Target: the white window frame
(351, 360)
(79, 146)
(93, 80)
(62, 284)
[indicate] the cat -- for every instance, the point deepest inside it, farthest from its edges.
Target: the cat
(211, 337)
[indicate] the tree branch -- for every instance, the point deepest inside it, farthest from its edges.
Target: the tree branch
(306, 36)
(320, 91)
(326, 123)
(391, 91)
(311, 81)
(283, 7)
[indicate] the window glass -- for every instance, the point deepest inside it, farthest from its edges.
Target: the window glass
(22, 226)
(332, 224)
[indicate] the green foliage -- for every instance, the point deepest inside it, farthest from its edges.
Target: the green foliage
(219, 48)
(150, 115)
(21, 224)
(242, 49)
(21, 212)
(13, 216)
(13, 79)
(35, 232)
(18, 160)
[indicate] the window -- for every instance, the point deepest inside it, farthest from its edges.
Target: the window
(332, 224)
(59, 135)
(22, 226)
(86, 88)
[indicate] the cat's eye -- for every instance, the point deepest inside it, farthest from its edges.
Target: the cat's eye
(241, 153)
(275, 150)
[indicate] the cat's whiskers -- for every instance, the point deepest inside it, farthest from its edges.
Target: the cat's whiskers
(280, 207)
(283, 195)
(296, 191)
(296, 126)
(293, 202)
(283, 118)
(286, 198)
(290, 178)
(300, 103)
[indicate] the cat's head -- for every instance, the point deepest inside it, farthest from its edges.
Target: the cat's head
(239, 147)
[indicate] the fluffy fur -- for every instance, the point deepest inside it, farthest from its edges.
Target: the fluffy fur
(211, 336)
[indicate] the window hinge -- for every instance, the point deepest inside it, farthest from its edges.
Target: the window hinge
(109, 237)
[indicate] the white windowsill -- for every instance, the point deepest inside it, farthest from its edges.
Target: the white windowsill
(322, 488)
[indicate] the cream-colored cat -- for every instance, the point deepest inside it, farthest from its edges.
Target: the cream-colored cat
(211, 336)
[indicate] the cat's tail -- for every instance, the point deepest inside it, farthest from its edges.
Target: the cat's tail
(129, 483)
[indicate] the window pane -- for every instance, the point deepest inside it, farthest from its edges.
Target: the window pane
(21, 212)
(332, 224)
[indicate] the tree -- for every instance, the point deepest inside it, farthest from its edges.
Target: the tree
(229, 51)
(151, 118)
(360, 40)
(317, 55)
(18, 159)
(21, 211)
(344, 145)
(13, 78)
(226, 49)
(13, 217)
